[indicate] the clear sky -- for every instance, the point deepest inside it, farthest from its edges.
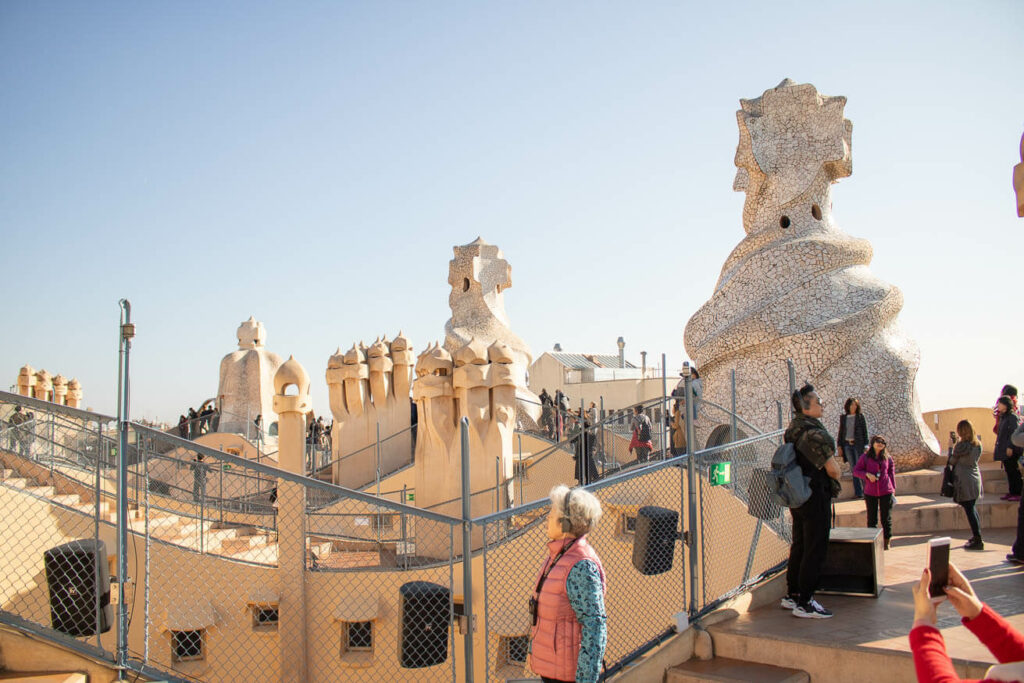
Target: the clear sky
(313, 164)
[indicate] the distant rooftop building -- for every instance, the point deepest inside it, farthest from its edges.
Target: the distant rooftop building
(587, 361)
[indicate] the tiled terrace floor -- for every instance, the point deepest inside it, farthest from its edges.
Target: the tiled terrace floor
(883, 623)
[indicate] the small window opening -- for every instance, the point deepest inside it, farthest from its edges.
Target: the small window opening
(357, 636)
(816, 212)
(187, 646)
(784, 222)
(265, 617)
(515, 649)
(465, 284)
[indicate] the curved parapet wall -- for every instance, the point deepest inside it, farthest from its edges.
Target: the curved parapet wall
(799, 288)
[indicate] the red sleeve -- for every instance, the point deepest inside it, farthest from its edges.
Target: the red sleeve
(931, 662)
(995, 633)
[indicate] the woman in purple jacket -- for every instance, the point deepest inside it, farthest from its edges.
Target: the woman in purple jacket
(876, 469)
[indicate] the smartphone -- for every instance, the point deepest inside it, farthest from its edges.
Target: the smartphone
(952, 436)
(938, 563)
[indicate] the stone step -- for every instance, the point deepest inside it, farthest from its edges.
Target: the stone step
(19, 482)
(726, 669)
(42, 491)
(243, 543)
(920, 513)
(69, 499)
(266, 554)
(321, 548)
(929, 480)
(789, 650)
(43, 677)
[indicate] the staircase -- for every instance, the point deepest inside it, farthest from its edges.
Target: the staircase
(236, 542)
(920, 509)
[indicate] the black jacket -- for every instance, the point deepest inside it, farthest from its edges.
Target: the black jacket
(860, 433)
(1008, 422)
(814, 446)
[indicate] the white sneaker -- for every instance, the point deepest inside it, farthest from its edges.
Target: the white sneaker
(787, 603)
(812, 610)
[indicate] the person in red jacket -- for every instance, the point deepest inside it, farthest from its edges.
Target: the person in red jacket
(932, 663)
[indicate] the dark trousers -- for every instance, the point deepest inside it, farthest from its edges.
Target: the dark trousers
(1013, 478)
(874, 503)
(642, 454)
(972, 517)
(1018, 545)
(850, 455)
(811, 526)
(553, 680)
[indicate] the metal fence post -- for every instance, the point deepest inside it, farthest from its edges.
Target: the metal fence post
(467, 552)
(732, 380)
(792, 376)
(126, 332)
(96, 522)
(778, 407)
(691, 486)
(664, 410)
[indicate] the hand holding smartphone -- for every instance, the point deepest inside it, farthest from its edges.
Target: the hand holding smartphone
(938, 564)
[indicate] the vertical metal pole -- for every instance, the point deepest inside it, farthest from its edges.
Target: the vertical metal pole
(145, 574)
(582, 444)
(691, 486)
(520, 469)
(792, 377)
(125, 333)
(221, 502)
(405, 535)
(378, 459)
(467, 552)
(96, 524)
(604, 453)
(778, 407)
(732, 380)
(497, 482)
(664, 409)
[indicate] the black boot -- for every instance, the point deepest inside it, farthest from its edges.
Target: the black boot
(975, 544)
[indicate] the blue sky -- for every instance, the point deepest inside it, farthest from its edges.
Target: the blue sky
(313, 164)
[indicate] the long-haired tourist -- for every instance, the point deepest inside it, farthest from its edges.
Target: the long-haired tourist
(569, 631)
(853, 438)
(875, 467)
(964, 454)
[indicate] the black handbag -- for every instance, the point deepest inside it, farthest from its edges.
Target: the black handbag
(948, 479)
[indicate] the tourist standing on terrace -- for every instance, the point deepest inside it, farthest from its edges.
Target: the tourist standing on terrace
(1005, 451)
(569, 630)
(964, 454)
(1016, 554)
(853, 438)
(815, 449)
(547, 423)
(875, 467)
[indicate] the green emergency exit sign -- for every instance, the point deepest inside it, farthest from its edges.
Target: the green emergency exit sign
(720, 474)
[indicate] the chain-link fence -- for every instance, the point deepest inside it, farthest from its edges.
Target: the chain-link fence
(239, 570)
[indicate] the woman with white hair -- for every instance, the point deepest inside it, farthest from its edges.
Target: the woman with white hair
(569, 632)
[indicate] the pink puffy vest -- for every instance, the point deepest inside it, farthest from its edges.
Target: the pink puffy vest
(555, 645)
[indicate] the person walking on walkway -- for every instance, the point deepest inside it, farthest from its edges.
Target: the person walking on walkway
(964, 454)
(853, 439)
(569, 632)
(1005, 451)
(875, 467)
(815, 451)
(642, 441)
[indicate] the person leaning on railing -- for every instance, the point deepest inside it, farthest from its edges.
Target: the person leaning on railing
(569, 631)
(932, 663)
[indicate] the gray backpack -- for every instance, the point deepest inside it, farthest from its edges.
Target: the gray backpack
(786, 481)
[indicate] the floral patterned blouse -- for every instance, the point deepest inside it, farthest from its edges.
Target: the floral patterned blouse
(583, 585)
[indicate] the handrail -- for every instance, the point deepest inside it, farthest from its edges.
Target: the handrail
(39, 404)
(308, 482)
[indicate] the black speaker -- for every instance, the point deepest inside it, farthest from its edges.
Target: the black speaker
(655, 538)
(72, 573)
(426, 617)
(759, 498)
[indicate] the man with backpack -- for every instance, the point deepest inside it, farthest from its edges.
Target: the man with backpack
(641, 441)
(815, 449)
